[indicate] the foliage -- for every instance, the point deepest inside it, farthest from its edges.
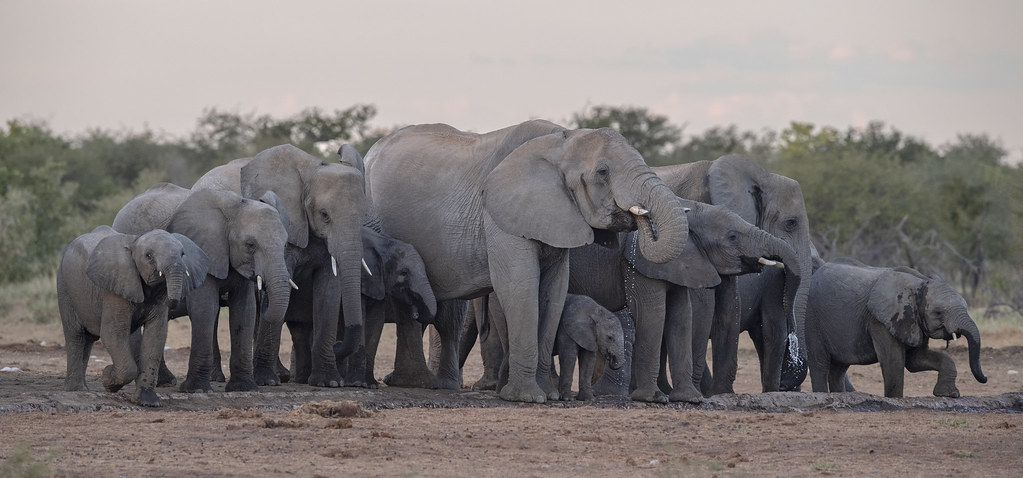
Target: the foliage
(21, 463)
(652, 135)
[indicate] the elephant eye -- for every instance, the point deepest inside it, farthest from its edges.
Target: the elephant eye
(325, 217)
(791, 224)
(250, 245)
(149, 255)
(733, 236)
(603, 172)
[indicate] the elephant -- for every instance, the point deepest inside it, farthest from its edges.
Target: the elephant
(586, 331)
(326, 206)
(775, 204)
(246, 242)
(499, 212)
(110, 284)
(860, 315)
(721, 245)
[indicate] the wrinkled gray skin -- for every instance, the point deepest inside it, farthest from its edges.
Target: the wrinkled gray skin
(499, 211)
(245, 240)
(775, 204)
(109, 285)
(859, 315)
(721, 244)
(586, 331)
(325, 205)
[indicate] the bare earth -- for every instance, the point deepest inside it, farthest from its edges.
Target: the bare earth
(298, 430)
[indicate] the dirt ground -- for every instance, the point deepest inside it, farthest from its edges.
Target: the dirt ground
(298, 430)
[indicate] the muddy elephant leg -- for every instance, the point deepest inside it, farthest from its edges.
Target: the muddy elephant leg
(678, 332)
(242, 321)
(114, 335)
(154, 337)
(78, 345)
(203, 309)
(921, 358)
(725, 335)
(410, 368)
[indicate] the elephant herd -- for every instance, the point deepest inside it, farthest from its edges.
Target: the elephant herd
(540, 240)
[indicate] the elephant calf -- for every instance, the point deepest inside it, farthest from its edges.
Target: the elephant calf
(111, 284)
(859, 315)
(586, 330)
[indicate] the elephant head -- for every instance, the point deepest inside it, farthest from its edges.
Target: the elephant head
(127, 265)
(248, 236)
(571, 188)
(915, 307)
(720, 244)
(594, 328)
(324, 200)
(400, 275)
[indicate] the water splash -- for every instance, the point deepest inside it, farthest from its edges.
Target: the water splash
(794, 349)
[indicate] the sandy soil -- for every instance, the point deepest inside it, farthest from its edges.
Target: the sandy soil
(303, 431)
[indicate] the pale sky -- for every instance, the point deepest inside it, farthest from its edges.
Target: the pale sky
(932, 69)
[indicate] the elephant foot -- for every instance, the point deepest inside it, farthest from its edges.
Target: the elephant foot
(147, 397)
(401, 380)
(241, 385)
(217, 375)
(165, 378)
(721, 389)
(266, 377)
(528, 392)
(584, 395)
(946, 391)
(359, 383)
(325, 379)
(110, 383)
(283, 374)
(194, 385)
(686, 394)
(485, 383)
(650, 395)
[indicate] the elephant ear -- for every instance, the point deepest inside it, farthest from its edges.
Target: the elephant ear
(735, 182)
(203, 218)
(579, 327)
(195, 260)
(373, 286)
(271, 198)
(526, 196)
(351, 157)
(893, 300)
(111, 267)
(691, 269)
(279, 169)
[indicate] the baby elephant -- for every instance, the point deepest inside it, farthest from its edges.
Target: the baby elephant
(109, 285)
(859, 315)
(586, 330)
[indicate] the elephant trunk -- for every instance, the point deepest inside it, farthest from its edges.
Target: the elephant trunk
(278, 289)
(795, 365)
(346, 250)
(423, 293)
(661, 221)
(174, 278)
(966, 327)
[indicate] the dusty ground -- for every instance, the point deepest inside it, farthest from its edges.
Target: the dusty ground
(302, 431)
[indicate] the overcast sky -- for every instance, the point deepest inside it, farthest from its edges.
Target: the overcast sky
(932, 69)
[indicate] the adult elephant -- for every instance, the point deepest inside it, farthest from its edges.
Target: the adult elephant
(245, 241)
(500, 210)
(775, 204)
(326, 205)
(860, 315)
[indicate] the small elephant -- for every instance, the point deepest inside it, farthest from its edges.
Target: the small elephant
(109, 285)
(859, 315)
(586, 330)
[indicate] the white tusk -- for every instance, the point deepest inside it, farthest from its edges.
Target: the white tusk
(333, 265)
(187, 274)
(366, 266)
(768, 262)
(293, 284)
(955, 337)
(638, 211)
(160, 273)
(259, 282)
(685, 209)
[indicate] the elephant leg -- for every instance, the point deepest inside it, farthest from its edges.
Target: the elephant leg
(836, 377)
(702, 302)
(154, 337)
(499, 325)
(892, 356)
(375, 317)
(410, 368)
(648, 301)
(490, 352)
(514, 273)
(78, 345)
(217, 363)
(115, 336)
(922, 358)
(301, 363)
(725, 335)
(326, 310)
(552, 293)
(242, 321)
(587, 362)
(617, 382)
(567, 357)
(678, 337)
(773, 345)
(203, 310)
(354, 365)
